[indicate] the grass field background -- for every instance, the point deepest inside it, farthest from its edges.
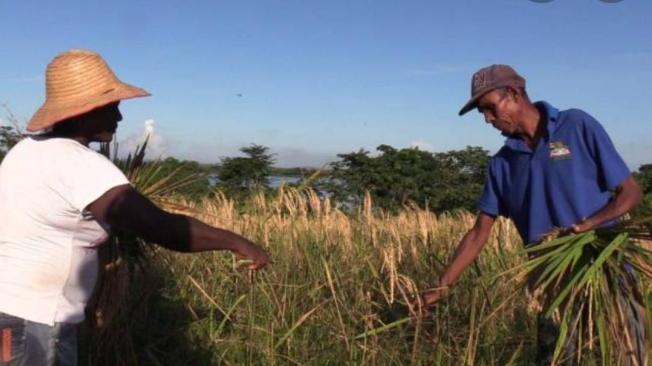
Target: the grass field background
(335, 282)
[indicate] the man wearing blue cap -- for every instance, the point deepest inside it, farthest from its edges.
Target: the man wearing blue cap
(557, 169)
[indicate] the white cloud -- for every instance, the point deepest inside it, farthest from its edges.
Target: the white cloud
(156, 145)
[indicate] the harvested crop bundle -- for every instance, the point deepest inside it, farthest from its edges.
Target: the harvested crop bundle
(589, 285)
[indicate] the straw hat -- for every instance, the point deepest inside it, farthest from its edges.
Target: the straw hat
(78, 81)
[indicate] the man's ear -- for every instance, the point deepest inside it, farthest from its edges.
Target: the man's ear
(514, 93)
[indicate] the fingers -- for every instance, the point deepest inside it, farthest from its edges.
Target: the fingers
(421, 307)
(573, 229)
(431, 296)
(261, 260)
(430, 299)
(255, 258)
(257, 265)
(582, 226)
(252, 264)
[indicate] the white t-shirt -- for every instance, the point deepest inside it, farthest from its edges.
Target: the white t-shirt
(48, 256)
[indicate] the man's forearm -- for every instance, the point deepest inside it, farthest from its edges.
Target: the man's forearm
(464, 255)
(627, 197)
(186, 234)
(205, 237)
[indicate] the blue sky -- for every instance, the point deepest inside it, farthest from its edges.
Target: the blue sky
(311, 79)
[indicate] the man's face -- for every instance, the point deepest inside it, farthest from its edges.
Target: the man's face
(103, 122)
(499, 107)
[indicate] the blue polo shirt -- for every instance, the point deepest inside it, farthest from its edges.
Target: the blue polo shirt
(567, 177)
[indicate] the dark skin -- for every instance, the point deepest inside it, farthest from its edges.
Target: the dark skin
(123, 207)
(510, 111)
(97, 125)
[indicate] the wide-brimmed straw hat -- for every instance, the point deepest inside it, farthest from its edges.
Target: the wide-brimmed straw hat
(78, 81)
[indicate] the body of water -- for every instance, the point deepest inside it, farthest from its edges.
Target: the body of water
(275, 181)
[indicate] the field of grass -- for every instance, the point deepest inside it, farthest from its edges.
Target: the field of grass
(335, 281)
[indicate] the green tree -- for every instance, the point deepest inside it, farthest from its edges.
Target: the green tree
(196, 174)
(462, 177)
(442, 181)
(9, 136)
(185, 177)
(248, 173)
(644, 178)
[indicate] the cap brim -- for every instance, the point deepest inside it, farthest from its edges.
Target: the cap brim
(470, 104)
(473, 102)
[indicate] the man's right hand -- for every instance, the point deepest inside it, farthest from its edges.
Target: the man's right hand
(464, 255)
(257, 255)
(427, 300)
(432, 296)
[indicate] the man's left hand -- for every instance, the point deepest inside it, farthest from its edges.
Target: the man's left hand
(580, 227)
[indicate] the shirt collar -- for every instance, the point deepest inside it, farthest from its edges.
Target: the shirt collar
(552, 118)
(552, 115)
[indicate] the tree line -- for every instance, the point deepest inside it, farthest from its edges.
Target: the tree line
(440, 181)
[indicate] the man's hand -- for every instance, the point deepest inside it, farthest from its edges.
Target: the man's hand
(580, 227)
(628, 195)
(428, 299)
(465, 253)
(253, 253)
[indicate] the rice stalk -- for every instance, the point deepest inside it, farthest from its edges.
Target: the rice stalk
(322, 253)
(296, 325)
(381, 329)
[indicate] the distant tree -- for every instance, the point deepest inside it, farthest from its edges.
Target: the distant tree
(462, 177)
(644, 178)
(442, 181)
(9, 136)
(248, 173)
(184, 177)
(195, 174)
(10, 131)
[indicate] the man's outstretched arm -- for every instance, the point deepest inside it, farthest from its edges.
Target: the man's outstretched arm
(465, 253)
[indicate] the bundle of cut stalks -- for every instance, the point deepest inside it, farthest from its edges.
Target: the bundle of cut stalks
(588, 284)
(125, 277)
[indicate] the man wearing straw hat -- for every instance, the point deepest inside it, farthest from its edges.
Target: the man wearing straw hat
(557, 169)
(58, 199)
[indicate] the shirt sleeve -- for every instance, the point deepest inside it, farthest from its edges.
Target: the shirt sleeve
(612, 170)
(490, 202)
(89, 176)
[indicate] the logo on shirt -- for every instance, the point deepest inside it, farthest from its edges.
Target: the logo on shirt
(559, 151)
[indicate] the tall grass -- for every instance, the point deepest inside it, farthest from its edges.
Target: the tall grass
(335, 284)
